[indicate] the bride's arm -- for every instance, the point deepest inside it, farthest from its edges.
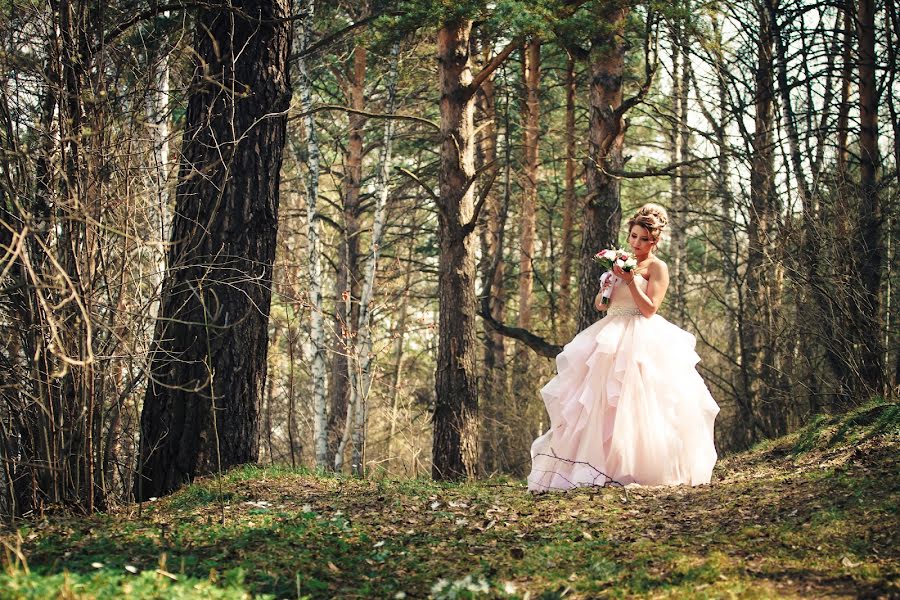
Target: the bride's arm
(601, 303)
(649, 302)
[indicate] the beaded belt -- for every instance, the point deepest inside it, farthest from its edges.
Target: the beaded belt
(623, 311)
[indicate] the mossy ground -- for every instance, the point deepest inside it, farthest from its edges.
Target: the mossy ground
(813, 514)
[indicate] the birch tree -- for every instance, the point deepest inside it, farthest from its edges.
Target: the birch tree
(361, 374)
(314, 250)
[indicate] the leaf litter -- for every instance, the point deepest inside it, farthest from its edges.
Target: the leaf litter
(774, 522)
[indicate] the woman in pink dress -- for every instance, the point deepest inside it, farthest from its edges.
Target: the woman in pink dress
(627, 404)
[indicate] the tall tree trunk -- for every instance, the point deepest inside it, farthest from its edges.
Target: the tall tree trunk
(317, 325)
(678, 140)
(362, 382)
(755, 334)
(158, 115)
(603, 210)
(531, 65)
(892, 24)
(493, 390)
(787, 109)
(870, 243)
(454, 451)
(208, 364)
(843, 126)
(397, 334)
(347, 282)
(565, 269)
(834, 304)
(524, 382)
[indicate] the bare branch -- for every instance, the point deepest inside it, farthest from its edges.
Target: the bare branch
(535, 342)
(365, 113)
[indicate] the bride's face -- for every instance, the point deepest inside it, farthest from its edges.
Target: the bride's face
(640, 241)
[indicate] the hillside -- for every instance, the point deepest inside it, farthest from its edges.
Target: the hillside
(813, 514)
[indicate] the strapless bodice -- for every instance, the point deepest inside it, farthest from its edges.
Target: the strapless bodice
(622, 302)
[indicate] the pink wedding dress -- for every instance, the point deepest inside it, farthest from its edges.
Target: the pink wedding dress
(627, 404)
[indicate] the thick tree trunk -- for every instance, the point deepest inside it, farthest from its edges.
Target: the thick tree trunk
(208, 365)
(602, 210)
(454, 451)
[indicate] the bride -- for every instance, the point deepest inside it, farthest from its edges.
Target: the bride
(627, 404)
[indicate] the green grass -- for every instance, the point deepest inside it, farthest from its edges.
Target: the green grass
(110, 584)
(812, 514)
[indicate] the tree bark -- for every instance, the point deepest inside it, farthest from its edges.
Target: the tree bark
(602, 210)
(454, 450)
(208, 364)
(755, 332)
(678, 135)
(527, 410)
(870, 243)
(843, 126)
(363, 352)
(531, 65)
(493, 390)
(316, 315)
(565, 269)
(348, 280)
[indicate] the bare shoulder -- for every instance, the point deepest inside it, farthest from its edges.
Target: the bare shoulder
(657, 267)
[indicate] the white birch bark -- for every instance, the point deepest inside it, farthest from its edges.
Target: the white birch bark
(398, 334)
(158, 113)
(317, 325)
(362, 380)
(157, 106)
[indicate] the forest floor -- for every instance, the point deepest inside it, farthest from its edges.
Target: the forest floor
(813, 514)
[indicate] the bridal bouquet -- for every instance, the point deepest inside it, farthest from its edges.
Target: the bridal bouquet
(609, 258)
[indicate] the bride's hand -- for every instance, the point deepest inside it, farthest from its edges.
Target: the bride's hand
(626, 276)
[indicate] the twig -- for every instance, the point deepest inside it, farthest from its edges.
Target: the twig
(609, 481)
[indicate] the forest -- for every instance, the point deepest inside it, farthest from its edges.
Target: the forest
(353, 236)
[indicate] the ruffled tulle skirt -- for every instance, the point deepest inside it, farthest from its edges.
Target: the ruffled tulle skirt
(626, 405)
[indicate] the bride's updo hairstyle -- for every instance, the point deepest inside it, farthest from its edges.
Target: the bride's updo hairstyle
(651, 217)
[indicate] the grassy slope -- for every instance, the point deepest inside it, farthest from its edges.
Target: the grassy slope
(811, 514)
